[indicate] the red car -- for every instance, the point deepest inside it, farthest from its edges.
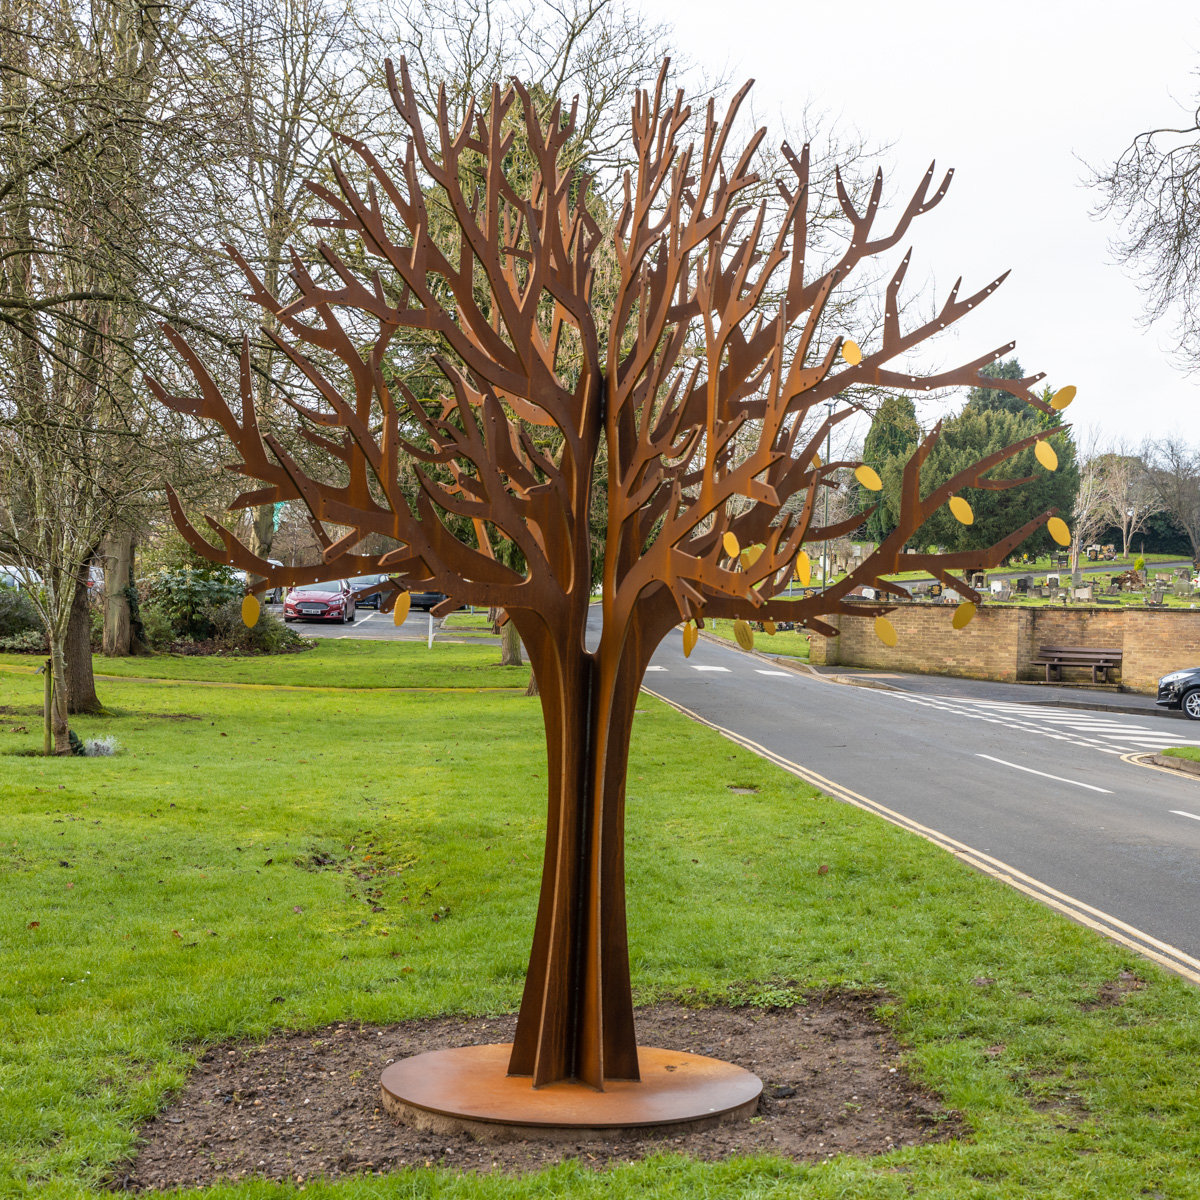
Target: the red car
(321, 602)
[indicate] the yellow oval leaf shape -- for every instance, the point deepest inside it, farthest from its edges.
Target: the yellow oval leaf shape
(732, 546)
(816, 462)
(1056, 527)
(769, 628)
(752, 554)
(851, 352)
(961, 510)
(885, 631)
(963, 615)
(691, 635)
(869, 478)
(1063, 397)
(803, 569)
(1044, 453)
(400, 612)
(744, 634)
(250, 611)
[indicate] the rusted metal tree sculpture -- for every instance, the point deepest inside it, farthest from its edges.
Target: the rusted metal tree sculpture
(704, 397)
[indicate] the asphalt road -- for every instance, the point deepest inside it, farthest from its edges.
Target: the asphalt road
(1044, 790)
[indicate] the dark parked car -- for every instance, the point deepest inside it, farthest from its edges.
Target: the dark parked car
(426, 600)
(321, 602)
(1181, 689)
(371, 599)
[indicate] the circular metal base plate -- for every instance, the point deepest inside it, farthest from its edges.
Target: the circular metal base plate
(468, 1090)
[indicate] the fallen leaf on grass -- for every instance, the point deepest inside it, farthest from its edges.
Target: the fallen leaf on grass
(177, 933)
(38, 924)
(297, 908)
(71, 885)
(823, 869)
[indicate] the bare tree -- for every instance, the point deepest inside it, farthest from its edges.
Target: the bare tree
(1128, 499)
(1153, 190)
(1173, 474)
(1090, 513)
(104, 119)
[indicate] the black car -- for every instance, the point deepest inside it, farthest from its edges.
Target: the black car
(371, 599)
(427, 600)
(1181, 689)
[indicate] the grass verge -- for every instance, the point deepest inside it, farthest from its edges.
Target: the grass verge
(333, 662)
(258, 859)
(1191, 753)
(793, 644)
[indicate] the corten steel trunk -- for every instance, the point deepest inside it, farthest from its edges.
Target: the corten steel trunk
(576, 1018)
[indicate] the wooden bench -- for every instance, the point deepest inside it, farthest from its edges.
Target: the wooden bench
(1054, 658)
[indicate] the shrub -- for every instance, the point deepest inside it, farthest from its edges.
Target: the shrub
(32, 641)
(1139, 564)
(268, 635)
(157, 631)
(189, 596)
(17, 614)
(101, 747)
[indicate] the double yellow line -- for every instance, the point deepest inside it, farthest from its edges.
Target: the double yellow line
(1163, 953)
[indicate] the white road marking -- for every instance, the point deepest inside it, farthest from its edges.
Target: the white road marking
(1180, 813)
(760, 671)
(698, 667)
(652, 667)
(1057, 778)
(1079, 727)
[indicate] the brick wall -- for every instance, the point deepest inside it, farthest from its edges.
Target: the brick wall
(1003, 639)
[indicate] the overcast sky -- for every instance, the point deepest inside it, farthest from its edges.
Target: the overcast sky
(1012, 96)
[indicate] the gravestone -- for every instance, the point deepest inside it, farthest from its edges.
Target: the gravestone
(1023, 582)
(1077, 578)
(1082, 593)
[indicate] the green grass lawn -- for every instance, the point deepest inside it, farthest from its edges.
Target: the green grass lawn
(793, 643)
(468, 622)
(159, 900)
(348, 663)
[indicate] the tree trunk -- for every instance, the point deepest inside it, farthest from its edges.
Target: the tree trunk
(510, 645)
(262, 530)
(576, 1018)
(118, 573)
(59, 728)
(79, 684)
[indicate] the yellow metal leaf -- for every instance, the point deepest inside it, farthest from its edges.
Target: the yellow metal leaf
(816, 462)
(961, 510)
(744, 634)
(1063, 397)
(691, 635)
(769, 628)
(1056, 527)
(869, 478)
(1044, 453)
(803, 569)
(851, 352)
(250, 611)
(732, 545)
(403, 602)
(963, 615)
(885, 631)
(752, 554)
